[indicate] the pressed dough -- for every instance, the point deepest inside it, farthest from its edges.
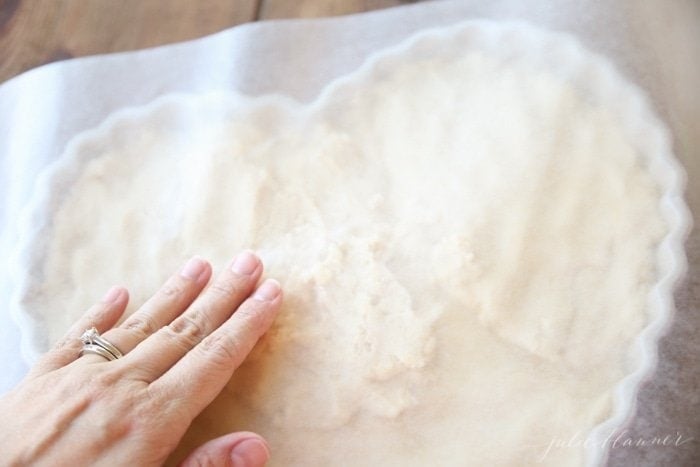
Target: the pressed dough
(465, 245)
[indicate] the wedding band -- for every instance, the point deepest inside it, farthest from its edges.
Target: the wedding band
(95, 344)
(97, 350)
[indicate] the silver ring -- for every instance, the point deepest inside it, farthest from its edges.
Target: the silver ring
(97, 350)
(95, 344)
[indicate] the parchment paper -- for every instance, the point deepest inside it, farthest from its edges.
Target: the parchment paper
(655, 43)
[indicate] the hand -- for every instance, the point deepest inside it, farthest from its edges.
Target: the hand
(180, 349)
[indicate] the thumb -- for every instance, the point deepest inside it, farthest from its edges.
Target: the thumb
(241, 449)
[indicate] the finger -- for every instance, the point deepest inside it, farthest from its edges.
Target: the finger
(201, 374)
(168, 303)
(241, 449)
(102, 315)
(155, 355)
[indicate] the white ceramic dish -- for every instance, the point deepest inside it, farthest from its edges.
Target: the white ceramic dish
(592, 75)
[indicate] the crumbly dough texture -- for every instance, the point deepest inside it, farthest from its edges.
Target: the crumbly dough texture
(466, 248)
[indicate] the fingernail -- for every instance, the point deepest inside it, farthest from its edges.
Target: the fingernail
(267, 291)
(250, 452)
(112, 295)
(194, 268)
(245, 263)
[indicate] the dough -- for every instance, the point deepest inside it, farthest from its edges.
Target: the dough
(466, 246)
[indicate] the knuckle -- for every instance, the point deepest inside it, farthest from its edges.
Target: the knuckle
(221, 351)
(172, 288)
(227, 289)
(101, 384)
(141, 324)
(190, 328)
(68, 342)
(143, 413)
(253, 318)
(106, 378)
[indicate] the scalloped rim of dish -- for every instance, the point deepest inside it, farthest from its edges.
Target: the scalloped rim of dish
(563, 51)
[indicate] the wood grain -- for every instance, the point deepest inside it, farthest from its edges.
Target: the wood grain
(275, 9)
(34, 32)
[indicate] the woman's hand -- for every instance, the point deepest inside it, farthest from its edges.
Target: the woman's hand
(180, 349)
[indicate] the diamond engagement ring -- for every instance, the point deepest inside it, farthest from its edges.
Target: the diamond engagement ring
(95, 344)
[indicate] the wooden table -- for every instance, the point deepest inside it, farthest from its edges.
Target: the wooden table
(35, 32)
